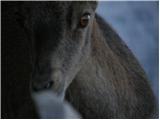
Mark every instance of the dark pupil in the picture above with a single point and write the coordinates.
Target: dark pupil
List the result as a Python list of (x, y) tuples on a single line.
[(84, 20)]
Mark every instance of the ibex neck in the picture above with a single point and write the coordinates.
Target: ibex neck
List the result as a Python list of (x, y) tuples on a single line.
[(113, 78)]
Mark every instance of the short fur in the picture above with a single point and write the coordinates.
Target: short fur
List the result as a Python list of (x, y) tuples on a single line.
[(91, 66)]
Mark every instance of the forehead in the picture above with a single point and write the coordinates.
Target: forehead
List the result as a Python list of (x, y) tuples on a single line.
[(52, 7), (49, 12), (44, 8), (38, 13)]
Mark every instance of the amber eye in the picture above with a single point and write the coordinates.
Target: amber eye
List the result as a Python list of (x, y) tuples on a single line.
[(84, 20)]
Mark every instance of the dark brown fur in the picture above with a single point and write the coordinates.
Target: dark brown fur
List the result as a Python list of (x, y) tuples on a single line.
[(103, 78)]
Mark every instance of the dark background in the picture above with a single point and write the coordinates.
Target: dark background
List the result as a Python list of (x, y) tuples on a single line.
[(16, 67)]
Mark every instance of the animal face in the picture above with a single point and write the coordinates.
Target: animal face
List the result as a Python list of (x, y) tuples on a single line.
[(60, 34)]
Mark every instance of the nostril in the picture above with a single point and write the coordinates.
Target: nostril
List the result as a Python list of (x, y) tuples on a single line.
[(42, 87), (48, 85)]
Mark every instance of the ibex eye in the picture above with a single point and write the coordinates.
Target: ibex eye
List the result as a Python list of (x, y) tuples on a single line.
[(84, 20)]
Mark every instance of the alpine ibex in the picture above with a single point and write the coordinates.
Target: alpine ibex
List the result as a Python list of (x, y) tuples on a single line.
[(76, 54)]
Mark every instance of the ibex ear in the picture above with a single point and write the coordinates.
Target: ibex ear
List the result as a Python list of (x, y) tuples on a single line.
[(93, 4)]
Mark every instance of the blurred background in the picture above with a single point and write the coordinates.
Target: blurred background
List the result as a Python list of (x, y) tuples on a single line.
[(137, 24)]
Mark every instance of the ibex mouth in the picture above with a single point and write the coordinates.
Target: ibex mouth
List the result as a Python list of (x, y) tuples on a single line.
[(54, 83), (59, 92)]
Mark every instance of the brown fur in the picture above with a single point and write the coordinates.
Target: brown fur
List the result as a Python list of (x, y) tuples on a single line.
[(111, 84), (93, 67)]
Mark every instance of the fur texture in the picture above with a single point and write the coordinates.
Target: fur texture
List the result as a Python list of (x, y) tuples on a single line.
[(91, 67)]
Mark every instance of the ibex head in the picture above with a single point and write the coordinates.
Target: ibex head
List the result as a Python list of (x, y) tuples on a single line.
[(60, 34)]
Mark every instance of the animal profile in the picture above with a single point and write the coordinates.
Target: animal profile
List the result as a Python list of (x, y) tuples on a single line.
[(78, 56)]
